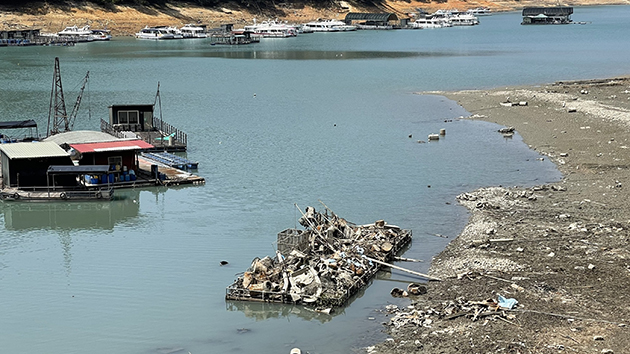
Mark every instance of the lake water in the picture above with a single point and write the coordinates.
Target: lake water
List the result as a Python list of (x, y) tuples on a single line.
[(281, 123)]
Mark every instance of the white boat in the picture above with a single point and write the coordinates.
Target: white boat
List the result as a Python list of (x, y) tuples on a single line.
[(342, 26), (329, 26), (457, 18), (177, 34), (303, 29), (83, 34), (101, 35), (193, 31), (431, 22), (154, 33), (271, 29), (480, 11), (464, 19)]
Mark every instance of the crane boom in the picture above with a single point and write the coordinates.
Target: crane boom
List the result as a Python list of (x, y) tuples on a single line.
[(75, 109)]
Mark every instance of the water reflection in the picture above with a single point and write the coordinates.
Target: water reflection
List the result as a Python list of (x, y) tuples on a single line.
[(304, 55), (261, 311), (72, 215), (265, 310)]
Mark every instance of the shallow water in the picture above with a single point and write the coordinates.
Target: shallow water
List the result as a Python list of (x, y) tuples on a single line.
[(283, 122)]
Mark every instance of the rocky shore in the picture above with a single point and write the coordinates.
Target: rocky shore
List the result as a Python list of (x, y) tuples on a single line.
[(560, 250)]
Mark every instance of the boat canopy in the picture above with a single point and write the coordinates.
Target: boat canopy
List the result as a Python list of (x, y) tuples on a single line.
[(381, 17), (16, 124), (77, 170)]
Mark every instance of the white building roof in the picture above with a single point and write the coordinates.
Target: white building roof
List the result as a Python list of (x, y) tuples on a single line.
[(81, 137), (32, 150)]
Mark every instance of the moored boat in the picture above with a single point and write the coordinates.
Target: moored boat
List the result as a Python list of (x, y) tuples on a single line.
[(464, 19), (101, 35), (177, 34), (329, 26), (154, 33), (271, 29), (431, 22), (83, 34), (480, 11), (193, 31)]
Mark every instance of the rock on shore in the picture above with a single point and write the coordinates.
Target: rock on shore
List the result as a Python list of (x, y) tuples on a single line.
[(560, 250)]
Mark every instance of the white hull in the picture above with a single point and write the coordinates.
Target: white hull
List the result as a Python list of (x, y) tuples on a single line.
[(154, 34), (329, 26), (271, 29), (428, 23), (192, 31)]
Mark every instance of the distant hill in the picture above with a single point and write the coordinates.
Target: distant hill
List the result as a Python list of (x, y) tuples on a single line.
[(125, 17)]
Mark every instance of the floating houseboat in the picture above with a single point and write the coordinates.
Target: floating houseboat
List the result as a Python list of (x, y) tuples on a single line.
[(328, 26), (29, 37), (154, 33), (480, 11), (193, 31), (83, 34), (82, 165), (547, 15), (377, 21), (43, 171)]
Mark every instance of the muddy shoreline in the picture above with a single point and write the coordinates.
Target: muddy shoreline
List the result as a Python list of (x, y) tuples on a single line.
[(560, 250)]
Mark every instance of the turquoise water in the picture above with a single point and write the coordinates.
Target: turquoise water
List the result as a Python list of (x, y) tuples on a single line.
[(283, 122)]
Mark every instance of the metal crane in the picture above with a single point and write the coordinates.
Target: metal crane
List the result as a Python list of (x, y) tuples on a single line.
[(75, 109), (57, 110)]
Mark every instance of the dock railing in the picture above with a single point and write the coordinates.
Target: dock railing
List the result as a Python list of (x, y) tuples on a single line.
[(109, 129), (168, 129)]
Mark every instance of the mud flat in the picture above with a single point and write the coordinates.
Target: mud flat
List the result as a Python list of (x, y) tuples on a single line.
[(560, 250)]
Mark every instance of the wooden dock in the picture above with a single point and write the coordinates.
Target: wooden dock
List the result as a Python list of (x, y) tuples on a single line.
[(167, 176), (172, 176)]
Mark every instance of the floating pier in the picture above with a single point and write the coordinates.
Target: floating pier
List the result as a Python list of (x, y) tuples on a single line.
[(171, 160), (160, 173), (322, 266)]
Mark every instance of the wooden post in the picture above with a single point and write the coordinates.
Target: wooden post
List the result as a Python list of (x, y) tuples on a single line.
[(401, 268)]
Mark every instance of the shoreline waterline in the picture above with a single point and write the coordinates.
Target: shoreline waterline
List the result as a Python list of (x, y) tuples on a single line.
[(493, 253)]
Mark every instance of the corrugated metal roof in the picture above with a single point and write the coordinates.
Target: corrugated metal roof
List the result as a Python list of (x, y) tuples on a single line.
[(548, 11), (32, 150), (383, 17), (81, 137), (120, 145)]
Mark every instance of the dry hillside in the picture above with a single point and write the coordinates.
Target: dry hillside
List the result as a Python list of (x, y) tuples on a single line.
[(125, 20)]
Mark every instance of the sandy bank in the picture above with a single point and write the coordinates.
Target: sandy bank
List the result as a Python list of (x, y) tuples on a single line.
[(560, 250)]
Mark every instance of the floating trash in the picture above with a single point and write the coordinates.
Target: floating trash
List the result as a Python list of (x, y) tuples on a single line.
[(321, 266)]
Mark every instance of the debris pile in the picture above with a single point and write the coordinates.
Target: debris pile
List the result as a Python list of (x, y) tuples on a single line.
[(321, 266), (449, 310)]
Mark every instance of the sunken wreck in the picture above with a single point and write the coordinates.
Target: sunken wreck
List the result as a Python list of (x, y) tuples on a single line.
[(321, 266)]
